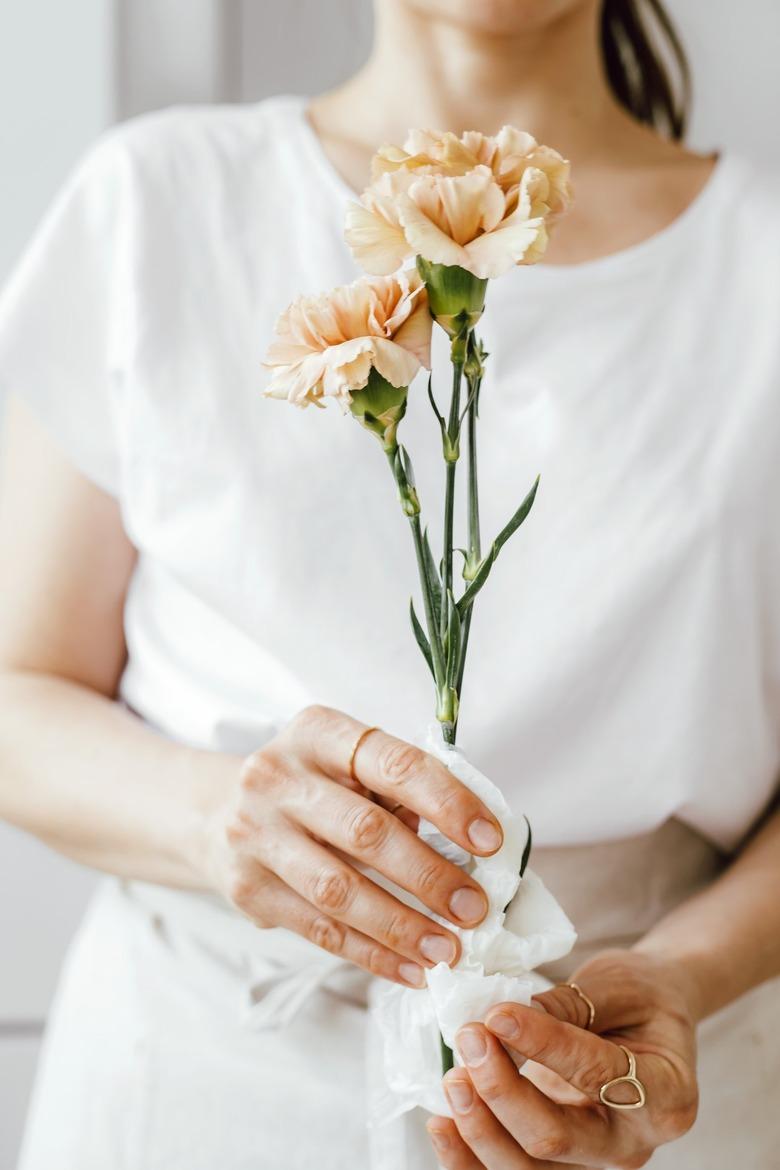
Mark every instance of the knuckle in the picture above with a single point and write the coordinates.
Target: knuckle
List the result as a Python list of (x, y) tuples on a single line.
[(569, 1008), (429, 880), (400, 763), (312, 718), (367, 828), (376, 960), (395, 931), (453, 801), (327, 934), (332, 890), (677, 1121), (238, 831), (550, 1147), (491, 1089), (251, 772), (595, 1075), (243, 889), (261, 771), (637, 1160)]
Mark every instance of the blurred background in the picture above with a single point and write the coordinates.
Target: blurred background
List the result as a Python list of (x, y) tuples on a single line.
[(67, 71)]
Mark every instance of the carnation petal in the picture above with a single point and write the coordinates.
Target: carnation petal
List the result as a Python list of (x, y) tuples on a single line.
[(299, 383), (378, 245), (396, 364), (428, 240), (347, 366), (469, 203), (415, 333), (496, 252)]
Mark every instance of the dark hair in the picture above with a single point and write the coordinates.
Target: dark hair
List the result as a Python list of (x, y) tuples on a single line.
[(646, 63)]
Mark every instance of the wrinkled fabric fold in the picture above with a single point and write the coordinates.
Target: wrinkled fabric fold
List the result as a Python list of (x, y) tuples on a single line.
[(524, 928)]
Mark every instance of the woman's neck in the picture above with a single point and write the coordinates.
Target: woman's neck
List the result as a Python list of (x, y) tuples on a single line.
[(431, 72)]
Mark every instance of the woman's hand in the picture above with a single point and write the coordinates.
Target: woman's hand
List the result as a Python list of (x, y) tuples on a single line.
[(550, 1113), (283, 847)]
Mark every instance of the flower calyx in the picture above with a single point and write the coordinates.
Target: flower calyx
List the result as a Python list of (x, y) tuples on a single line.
[(380, 407), (456, 299)]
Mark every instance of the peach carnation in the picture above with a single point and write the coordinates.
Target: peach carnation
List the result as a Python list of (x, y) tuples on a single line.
[(483, 204), (326, 346)]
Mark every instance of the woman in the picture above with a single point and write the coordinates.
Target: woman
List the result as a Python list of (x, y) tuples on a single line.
[(179, 552)]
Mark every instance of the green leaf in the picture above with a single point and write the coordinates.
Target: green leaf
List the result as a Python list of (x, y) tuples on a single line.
[(406, 463), (518, 517), (453, 639), (527, 850), (483, 572), (433, 578), (422, 641)]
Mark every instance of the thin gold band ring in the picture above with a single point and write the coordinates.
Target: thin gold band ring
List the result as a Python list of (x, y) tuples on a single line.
[(588, 1004), (365, 732)]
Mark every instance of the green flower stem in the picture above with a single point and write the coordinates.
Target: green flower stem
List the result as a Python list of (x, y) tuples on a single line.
[(417, 537), (474, 537), (453, 427)]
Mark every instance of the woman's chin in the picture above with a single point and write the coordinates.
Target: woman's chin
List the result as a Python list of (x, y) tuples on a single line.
[(497, 17)]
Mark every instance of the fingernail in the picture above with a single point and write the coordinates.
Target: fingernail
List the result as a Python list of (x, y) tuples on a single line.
[(460, 1094), (484, 835), (472, 1046), (441, 1142), (437, 948), (412, 974), (503, 1025), (468, 905)]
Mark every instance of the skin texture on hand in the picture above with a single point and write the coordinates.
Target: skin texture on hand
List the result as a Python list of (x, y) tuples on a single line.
[(548, 1113), (284, 845)]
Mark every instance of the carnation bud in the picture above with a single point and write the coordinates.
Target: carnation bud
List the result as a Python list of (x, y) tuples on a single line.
[(475, 358), (379, 407)]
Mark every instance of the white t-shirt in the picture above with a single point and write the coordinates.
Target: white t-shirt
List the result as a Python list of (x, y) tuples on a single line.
[(625, 654)]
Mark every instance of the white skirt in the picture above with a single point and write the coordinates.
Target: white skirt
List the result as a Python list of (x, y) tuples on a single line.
[(182, 1038)]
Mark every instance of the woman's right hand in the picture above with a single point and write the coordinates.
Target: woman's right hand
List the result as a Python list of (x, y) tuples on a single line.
[(284, 844)]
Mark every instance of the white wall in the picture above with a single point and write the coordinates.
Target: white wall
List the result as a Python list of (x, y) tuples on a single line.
[(66, 71), (56, 94)]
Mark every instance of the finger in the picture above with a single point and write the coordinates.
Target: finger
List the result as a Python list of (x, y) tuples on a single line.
[(399, 810), (337, 889), (578, 1135), (585, 1060), (256, 891), (361, 829), (393, 768), (451, 1151), (564, 1004), (482, 1131)]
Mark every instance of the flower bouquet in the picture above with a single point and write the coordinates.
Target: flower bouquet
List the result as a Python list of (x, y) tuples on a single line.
[(442, 216)]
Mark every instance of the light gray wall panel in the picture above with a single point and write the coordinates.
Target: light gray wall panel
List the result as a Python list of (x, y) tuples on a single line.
[(300, 46)]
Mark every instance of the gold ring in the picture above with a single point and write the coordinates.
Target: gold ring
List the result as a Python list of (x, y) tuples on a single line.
[(587, 1001), (629, 1079), (366, 731)]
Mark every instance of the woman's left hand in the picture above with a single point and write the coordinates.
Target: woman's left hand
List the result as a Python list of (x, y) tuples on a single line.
[(550, 1114)]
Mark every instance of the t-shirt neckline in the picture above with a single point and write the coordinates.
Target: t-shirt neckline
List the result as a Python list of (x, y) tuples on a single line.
[(652, 248)]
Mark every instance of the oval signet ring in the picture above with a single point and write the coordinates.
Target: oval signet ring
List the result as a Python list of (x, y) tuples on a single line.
[(631, 1079)]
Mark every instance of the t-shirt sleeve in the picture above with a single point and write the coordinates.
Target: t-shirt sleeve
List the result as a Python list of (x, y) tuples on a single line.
[(61, 320)]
